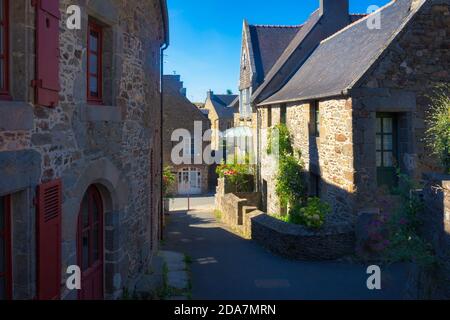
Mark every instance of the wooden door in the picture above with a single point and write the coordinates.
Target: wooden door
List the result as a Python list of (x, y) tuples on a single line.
[(90, 245)]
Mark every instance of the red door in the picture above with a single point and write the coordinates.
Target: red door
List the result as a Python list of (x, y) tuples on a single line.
[(90, 245)]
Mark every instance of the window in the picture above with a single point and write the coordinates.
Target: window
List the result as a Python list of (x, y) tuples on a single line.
[(94, 63), (283, 112), (386, 149), (269, 117), (5, 248), (315, 119), (4, 49)]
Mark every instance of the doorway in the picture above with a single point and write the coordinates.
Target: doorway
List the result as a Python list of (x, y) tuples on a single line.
[(189, 181), (90, 245), (386, 150)]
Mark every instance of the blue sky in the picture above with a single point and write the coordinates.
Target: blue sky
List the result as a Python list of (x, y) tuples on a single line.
[(205, 37)]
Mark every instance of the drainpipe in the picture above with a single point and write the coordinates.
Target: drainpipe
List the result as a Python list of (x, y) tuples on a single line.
[(161, 220)]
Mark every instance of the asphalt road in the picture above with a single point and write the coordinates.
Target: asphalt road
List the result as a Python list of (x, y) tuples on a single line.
[(227, 267)]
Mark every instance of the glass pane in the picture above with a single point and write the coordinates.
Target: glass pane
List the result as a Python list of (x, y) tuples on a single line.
[(85, 250), (388, 159), (2, 213), (378, 125), (85, 211), (388, 143), (379, 163), (95, 244), (93, 63), (93, 87), (387, 125), (2, 255), (93, 41), (378, 142), (2, 289)]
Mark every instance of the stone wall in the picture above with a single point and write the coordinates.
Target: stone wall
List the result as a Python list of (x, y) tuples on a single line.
[(115, 146), (329, 156), (235, 207), (298, 243), (401, 81), (436, 230)]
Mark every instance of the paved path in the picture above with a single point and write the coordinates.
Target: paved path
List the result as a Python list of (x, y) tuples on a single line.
[(227, 267)]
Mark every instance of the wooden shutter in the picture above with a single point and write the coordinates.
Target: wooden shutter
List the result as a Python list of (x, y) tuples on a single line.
[(47, 52), (49, 198)]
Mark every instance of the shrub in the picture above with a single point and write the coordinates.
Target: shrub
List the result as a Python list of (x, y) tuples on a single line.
[(169, 180), (405, 242), (312, 215), (438, 134)]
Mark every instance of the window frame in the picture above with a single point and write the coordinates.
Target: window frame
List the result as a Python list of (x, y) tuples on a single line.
[(4, 23), (269, 117), (94, 26), (5, 201), (315, 119), (283, 114)]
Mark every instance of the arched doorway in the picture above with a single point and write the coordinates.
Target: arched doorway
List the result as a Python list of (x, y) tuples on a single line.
[(90, 245)]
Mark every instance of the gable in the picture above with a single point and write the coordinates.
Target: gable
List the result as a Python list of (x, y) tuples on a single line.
[(355, 48)]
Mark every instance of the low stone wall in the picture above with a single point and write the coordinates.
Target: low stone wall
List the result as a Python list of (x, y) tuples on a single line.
[(435, 284), (297, 242)]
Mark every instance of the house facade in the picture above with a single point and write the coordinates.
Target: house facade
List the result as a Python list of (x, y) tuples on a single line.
[(221, 109), (356, 107), (192, 177), (80, 145)]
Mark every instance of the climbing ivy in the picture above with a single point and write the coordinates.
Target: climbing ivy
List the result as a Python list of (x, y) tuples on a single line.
[(290, 186)]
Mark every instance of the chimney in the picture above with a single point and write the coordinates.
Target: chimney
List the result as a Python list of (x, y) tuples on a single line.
[(337, 8), (210, 94)]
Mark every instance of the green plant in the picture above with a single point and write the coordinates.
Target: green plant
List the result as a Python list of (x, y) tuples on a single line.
[(438, 134), (169, 180), (405, 242), (290, 186), (237, 173), (312, 215), (280, 137)]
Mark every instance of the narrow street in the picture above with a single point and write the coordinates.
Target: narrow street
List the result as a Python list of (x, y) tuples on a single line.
[(225, 266)]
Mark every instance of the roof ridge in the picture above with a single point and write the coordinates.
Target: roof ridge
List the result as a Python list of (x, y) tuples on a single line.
[(276, 26)]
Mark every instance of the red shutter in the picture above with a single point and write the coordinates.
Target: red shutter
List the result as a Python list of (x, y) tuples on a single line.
[(47, 52), (48, 223)]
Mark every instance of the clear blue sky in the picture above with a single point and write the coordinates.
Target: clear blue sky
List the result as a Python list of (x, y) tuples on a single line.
[(205, 37)]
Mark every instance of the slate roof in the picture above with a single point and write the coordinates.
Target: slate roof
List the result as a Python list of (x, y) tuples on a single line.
[(268, 43), (342, 59), (296, 42), (221, 103)]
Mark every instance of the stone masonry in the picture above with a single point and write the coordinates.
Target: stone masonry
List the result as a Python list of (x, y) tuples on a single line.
[(115, 146)]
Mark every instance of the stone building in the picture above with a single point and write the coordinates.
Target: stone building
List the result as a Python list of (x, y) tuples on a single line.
[(80, 145), (221, 109), (356, 106), (269, 53), (180, 114)]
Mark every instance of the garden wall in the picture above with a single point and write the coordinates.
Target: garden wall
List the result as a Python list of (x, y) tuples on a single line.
[(435, 284), (298, 243), (235, 207)]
